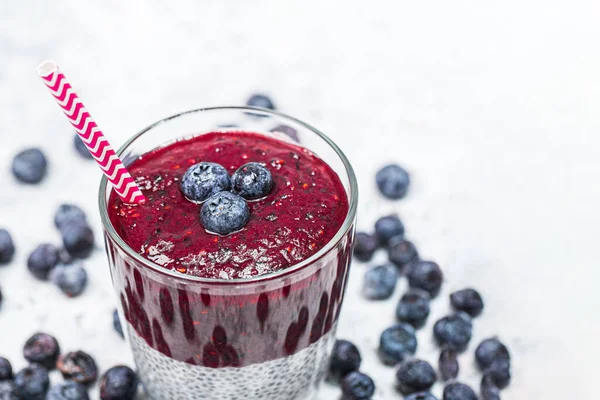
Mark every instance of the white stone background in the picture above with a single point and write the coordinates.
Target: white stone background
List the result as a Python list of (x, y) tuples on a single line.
[(491, 105)]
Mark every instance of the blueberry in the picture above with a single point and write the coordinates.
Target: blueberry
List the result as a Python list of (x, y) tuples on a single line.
[(5, 370), (42, 260), (344, 359), (78, 239), (81, 148), (467, 300), (458, 391), (425, 275), (364, 246), (401, 252), (203, 180), (357, 386), (413, 308), (380, 282), (397, 343), (224, 213), (421, 396), (78, 366), (32, 382), (287, 130), (499, 373), (1, 298), (490, 350), (488, 389), (251, 181), (29, 166), (8, 391), (68, 390), (448, 364), (68, 214), (415, 376), (117, 324), (454, 331), (118, 383), (392, 181), (260, 101), (387, 227), (70, 279), (42, 349), (7, 247)]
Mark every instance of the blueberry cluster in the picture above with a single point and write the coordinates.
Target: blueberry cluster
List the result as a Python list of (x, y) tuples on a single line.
[(398, 343), (78, 369), (224, 199)]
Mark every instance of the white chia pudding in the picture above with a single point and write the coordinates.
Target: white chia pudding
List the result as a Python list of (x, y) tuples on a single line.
[(294, 377)]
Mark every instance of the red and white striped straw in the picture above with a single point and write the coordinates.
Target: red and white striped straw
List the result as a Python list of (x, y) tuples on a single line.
[(90, 134)]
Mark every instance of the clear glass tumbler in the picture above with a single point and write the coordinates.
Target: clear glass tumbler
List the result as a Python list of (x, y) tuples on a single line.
[(268, 337)]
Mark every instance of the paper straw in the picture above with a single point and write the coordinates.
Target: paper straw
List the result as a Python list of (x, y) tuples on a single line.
[(90, 134)]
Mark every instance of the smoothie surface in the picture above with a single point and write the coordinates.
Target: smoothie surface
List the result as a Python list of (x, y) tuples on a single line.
[(301, 214)]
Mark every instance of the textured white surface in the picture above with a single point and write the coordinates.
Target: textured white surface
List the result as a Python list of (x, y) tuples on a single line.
[(492, 106)]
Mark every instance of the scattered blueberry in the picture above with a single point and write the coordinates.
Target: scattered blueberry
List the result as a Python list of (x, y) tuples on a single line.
[(78, 239), (454, 331), (364, 246), (490, 350), (68, 390), (287, 130), (29, 166), (402, 252), (458, 391), (415, 376), (68, 214), (42, 260), (42, 349), (413, 308), (224, 213), (392, 181), (7, 247), (499, 373), (80, 147), (448, 364), (8, 391), (467, 300), (421, 396), (261, 101), (488, 389), (117, 324), (78, 366), (397, 343), (32, 382), (118, 383), (71, 279), (344, 359), (252, 181), (5, 370), (1, 298), (425, 275), (380, 282), (357, 386), (203, 180), (387, 227)]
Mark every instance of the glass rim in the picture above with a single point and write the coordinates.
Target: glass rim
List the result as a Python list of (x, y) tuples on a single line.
[(340, 234)]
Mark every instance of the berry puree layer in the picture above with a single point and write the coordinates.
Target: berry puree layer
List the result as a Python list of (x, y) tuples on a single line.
[(304, 209), (222, 208)]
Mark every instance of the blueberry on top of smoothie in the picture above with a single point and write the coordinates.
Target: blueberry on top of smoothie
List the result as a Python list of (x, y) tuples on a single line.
[(29, 166), (224, 213), (204, 179), (252, 181)]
